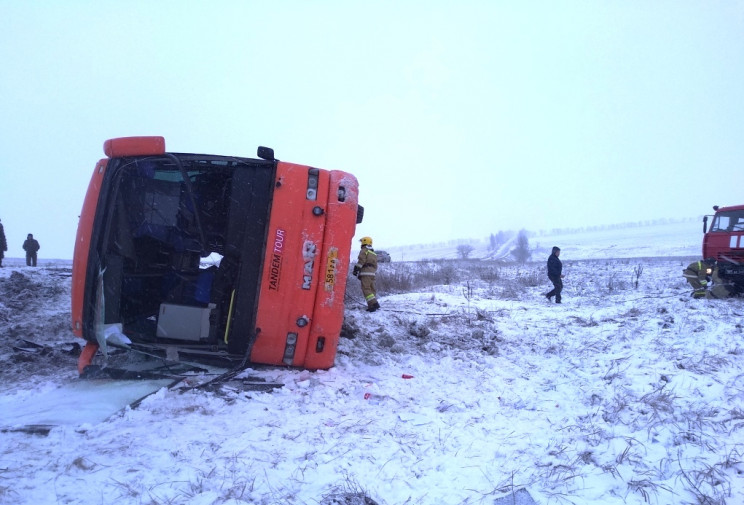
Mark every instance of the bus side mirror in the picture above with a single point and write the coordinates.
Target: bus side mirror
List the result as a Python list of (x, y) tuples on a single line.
[(265, 153), (705, 224)]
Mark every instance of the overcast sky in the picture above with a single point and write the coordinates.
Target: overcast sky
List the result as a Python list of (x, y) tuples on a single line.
[(459, 119)]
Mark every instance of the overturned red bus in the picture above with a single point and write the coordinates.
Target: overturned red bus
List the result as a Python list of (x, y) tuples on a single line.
[(277, 237)]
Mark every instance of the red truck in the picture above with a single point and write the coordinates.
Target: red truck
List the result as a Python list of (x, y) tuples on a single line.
[(200, 256), (724, 241)]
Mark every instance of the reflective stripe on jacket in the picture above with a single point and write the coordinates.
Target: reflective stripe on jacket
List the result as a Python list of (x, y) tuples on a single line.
[(697, 270), (367, 261)]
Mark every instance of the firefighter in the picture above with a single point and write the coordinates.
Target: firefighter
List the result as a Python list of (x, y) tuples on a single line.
[(365, 270), (697, 274), (31, 246)]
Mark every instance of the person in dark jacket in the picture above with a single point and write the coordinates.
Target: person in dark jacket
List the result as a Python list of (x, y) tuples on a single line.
[(3, 244), (555, 274), (31, 246)]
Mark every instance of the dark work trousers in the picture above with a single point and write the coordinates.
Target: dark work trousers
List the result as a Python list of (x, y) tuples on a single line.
[(557, 288), (31, 259)]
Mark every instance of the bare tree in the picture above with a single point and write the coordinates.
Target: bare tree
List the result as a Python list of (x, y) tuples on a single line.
[(464, 250), (521, 252)]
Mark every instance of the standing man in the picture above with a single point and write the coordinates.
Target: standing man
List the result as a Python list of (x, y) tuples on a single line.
[(3, 244), (365, 270), (555, 274), (31, 246)]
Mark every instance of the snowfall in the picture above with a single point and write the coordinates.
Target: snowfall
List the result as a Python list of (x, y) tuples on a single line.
[(470, 389)]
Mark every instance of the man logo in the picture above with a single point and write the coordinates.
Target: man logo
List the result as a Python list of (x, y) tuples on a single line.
[(308, 255)]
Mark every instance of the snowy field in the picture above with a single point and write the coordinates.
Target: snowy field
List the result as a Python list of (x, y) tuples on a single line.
[(463, 390), (679, 238)]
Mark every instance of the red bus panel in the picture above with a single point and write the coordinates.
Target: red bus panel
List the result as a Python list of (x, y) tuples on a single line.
[(134, 146), (291, 268), (334, 265), (82, 246)]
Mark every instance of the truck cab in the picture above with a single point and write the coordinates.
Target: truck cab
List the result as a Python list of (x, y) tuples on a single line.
[(217, 257), (724, 241)]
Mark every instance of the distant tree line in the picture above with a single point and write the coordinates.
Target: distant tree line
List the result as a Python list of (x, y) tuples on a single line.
[(521, 251), (617, 226)]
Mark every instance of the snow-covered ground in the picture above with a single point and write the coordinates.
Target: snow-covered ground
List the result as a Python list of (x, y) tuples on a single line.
[(459, 392)]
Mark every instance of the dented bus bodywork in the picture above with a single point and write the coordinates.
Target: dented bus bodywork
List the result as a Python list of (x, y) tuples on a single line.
[(213, 257)]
